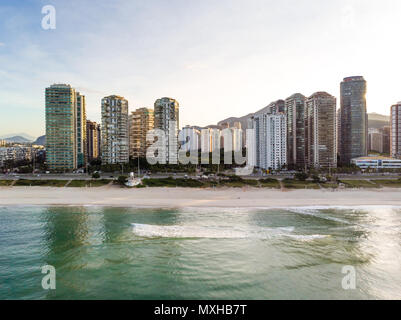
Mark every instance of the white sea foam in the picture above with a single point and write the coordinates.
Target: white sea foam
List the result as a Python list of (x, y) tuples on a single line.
[(156, 231)]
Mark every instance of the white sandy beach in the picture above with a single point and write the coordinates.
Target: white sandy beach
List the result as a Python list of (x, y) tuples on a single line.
[(185, 197)]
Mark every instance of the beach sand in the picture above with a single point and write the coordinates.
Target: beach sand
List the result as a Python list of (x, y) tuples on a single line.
[(186, 197)]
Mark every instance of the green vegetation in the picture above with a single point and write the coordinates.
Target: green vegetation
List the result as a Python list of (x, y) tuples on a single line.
[(296, 184), (329, 185), (355, 184), (40, 183), (5, 183), (96, 175), (301, 176), (172, 183), (229, 181), (88, 183), (389, 183), (269, 183), (122, 180)]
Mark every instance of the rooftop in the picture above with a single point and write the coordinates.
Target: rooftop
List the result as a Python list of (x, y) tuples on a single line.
[(374, 158)]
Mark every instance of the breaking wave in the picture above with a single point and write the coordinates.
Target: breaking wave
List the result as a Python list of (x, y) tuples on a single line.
[(317, 214), (199, 232)]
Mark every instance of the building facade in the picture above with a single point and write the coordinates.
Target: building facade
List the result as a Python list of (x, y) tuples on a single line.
[(141, 121), (167, 119), (61, 122), (295, 107), (15, 154), (115, 137), (189, 139), (354, 120), (320, 128), (377, 163), (270, 141), (276, 107), (385, 131), (93, 140), (375, 140), (395, 131), (82, 157)]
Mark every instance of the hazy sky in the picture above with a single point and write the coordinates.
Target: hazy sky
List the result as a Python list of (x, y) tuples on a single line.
[(218, 58)]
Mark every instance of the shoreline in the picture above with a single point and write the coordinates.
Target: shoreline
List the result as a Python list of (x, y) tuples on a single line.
[(197, 198)]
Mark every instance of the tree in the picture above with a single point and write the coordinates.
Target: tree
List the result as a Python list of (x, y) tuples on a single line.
[(96, 175), (316, 178), (301, 176), (122, 180)]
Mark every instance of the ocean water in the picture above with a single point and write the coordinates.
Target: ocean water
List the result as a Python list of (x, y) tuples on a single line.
[(194, 253)]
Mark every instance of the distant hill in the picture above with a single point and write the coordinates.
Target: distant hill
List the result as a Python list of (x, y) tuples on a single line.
[(41, 141), (377, 121), (17, 139), (243, 120), (14, 135)]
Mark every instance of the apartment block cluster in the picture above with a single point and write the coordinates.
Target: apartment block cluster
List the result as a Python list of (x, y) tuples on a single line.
[(72, 141), (296, 133), (15, 153)]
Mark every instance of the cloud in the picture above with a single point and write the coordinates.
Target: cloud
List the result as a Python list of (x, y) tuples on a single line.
[(2, 44)]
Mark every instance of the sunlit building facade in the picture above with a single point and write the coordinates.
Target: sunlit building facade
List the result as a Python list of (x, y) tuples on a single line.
[(93, 140), (270, 141), (320, 128), (167, 119), (61, 122), (141, 121), (115, 138), (295, 107)]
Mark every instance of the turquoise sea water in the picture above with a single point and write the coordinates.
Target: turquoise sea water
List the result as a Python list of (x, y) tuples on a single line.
[(213, 253)]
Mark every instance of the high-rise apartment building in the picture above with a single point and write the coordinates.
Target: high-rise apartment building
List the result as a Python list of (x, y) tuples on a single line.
[(167, 119), (386, 139), (354, 120), (61, 122), (115, 137), (82, 157), (295, 107), (277, 107), (140, 122), (375, 141), (93, 140), (338, 132), (270, 141), (320, 128), (395, 131)]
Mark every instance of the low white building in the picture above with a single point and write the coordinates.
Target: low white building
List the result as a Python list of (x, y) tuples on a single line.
[(377, 163), (189, 139)]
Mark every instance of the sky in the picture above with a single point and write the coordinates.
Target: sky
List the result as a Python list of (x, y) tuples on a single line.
[(216, 58)]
